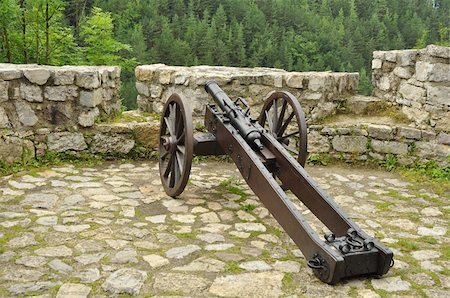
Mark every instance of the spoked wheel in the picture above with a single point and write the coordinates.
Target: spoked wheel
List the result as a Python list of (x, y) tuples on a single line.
[(176, 145), (283, 117)]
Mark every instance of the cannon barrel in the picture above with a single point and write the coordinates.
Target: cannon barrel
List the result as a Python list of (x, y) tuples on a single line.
[(238, 119)]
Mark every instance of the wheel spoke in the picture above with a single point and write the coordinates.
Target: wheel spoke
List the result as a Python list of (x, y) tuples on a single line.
[(169, 127), (181, 138), (180, 124), (269, 122), (285, 125), (169, 166), (181, 149), (172, 117), (164, 155), (172, 172), (283, 111), (290, 135), (180, 161), (275, 114)]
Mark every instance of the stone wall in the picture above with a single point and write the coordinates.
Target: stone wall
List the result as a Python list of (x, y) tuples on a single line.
[(318, 92), (364, 142), (418, 81), (45, 108)]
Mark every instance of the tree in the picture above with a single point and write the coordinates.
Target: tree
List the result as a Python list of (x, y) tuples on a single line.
[(9, 13), (100, 46)]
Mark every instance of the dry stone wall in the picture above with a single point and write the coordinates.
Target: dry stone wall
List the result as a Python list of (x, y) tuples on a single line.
[(318, 92), (45, 108), (418, 81), (368, 141)]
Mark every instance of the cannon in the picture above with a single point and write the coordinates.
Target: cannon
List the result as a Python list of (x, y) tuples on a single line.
[(270, 153)]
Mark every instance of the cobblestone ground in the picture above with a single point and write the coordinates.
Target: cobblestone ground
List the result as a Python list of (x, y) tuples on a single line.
[(110, 230)]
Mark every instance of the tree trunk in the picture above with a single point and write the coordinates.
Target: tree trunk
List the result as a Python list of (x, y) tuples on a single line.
[(24, 32), (47, 29), (8, 46)]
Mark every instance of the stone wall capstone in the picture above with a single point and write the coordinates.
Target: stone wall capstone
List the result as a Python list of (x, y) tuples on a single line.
[(36, 96), (318, 92), (46, 108), (418, 81)]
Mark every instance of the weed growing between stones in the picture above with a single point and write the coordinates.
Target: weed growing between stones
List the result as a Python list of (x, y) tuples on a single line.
[(232, 186), (319, 159), (50, 159)]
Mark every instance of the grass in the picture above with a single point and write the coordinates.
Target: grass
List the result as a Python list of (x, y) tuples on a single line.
[(232, 186), (248, 207)]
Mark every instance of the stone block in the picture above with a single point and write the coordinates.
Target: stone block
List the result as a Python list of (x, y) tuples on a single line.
[(384, 83), (407, 57), (433, 72), (415, 114), (88, 79), (438, 51), (113, 144), (352, 144), (378, 55), (179, 79), (318, 143), (31, 93), (391, 56), (13, 149), (428, 135), (4, 87), (323, 110), (87, 119), (60, 93), (312, 95), (318, 82), (64, 77), (147, 134), (377, 63), (294, 80), (10, 74), (278, 81), (38, 76), (91, 98), (437, 94), (389, 147), (403, 72), (409, 133), (443, 138), (432, 150), (164, 77), (25, 113), (381, 132), (65, 141), (412, 92), (4, 121), (142, 88)]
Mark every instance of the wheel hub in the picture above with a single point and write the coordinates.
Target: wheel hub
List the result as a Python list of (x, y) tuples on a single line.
[(169, 144)]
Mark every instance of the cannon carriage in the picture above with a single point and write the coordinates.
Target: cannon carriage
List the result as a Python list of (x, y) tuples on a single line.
[(270, 153)]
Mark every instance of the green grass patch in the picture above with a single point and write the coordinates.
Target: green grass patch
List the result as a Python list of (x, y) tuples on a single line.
[(232, 186), (321, 159), (248, 207), (406, 245), (383, 206), (233, 267)]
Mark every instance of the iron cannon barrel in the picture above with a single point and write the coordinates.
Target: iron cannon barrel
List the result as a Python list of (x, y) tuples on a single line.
[(237, 117)]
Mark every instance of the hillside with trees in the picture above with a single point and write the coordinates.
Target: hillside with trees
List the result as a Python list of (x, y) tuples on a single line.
[(296, 35)]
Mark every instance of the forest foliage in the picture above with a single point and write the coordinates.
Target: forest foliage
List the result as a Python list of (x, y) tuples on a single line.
[(296, 35)]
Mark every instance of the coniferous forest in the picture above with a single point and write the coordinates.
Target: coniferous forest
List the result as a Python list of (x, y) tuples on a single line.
[(296, 35)]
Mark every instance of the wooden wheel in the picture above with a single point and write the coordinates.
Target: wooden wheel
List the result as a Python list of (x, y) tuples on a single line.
[(283, 117), (176, 145)]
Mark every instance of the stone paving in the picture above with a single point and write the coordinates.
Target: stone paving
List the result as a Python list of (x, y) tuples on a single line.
[(110, 230)]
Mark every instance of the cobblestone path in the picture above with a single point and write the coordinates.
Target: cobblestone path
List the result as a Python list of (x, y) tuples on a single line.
[(110, 230)]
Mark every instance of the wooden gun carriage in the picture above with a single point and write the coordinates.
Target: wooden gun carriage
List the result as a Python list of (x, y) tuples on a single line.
[(270, 153)]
